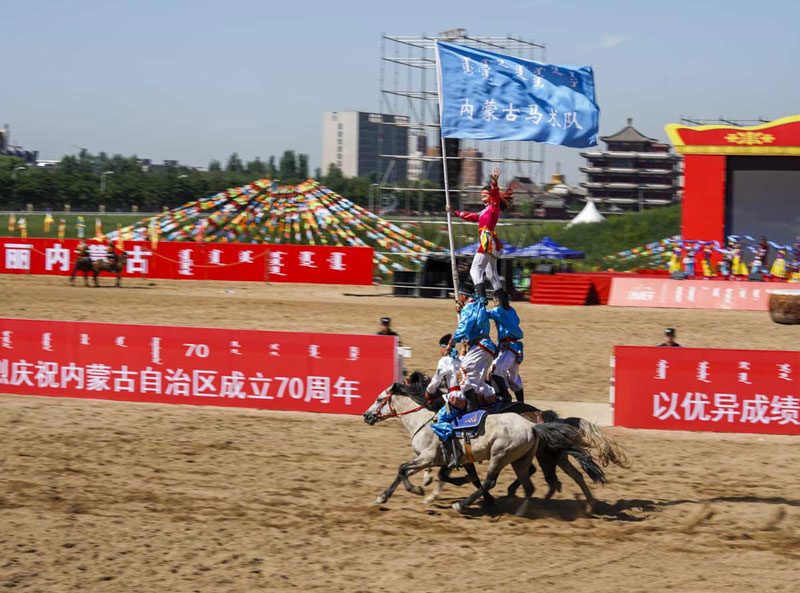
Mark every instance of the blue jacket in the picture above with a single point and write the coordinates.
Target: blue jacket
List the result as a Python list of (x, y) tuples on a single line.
[(473, 326), (507, 322)]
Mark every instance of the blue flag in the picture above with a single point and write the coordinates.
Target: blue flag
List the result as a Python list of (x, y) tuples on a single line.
[(489, 96)]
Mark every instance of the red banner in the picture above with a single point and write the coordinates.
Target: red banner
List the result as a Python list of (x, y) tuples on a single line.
[(334, 373), (689, 294), (321, 264), (199, 261), (707, 389)]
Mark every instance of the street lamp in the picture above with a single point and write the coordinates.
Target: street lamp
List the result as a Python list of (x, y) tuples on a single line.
[(14, 172), (103, 181)]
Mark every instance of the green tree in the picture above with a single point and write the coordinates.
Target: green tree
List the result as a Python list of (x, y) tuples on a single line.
[(214, 165), (288, 168), (272, 170), (333, 177), (302, 166), (256, 167), (234, 164), (318, 174)]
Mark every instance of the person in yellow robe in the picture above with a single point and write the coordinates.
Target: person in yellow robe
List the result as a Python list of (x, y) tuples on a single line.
[(778, 269), (708, 270), (738, 267), (676, 259)]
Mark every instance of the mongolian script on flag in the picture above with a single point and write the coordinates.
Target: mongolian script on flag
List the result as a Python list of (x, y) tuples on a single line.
[(489, 96)]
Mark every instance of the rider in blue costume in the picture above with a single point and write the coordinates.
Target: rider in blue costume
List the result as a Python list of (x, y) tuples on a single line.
[(473, 328), (505, 370)]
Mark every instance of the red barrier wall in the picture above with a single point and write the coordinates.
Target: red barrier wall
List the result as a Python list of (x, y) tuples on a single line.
[(689, 294), (703, 205), (200, 261), (332, 373), (707, 389)]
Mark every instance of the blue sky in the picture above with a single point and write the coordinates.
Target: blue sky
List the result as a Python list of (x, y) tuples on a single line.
[(194, 80)]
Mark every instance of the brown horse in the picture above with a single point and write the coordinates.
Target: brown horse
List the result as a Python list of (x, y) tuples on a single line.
[(114, 267), (82, 264)]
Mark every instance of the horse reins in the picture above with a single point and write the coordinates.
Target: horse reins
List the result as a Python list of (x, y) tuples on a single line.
[(394, 413)]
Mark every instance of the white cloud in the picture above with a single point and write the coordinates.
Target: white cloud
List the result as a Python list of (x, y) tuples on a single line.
[(609, 40)]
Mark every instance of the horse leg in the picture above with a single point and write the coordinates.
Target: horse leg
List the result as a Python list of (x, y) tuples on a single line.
[(476, 481), (512, 489), (572, 472), (427, 477), (521, 468), (491, 479), (405, 470), (547, 461), (442, 477)]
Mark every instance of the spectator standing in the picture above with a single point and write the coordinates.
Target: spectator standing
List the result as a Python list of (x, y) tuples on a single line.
[(669, 338)]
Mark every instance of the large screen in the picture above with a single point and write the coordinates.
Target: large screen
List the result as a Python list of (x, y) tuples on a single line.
[(763, 197)]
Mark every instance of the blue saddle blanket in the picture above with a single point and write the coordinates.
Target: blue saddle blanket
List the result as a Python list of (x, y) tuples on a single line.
[(472, 420)]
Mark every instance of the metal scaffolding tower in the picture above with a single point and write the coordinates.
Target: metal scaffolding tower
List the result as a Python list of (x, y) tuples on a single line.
[(408, 89)]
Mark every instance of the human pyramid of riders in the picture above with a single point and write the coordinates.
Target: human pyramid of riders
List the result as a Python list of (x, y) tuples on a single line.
[(475, 371)]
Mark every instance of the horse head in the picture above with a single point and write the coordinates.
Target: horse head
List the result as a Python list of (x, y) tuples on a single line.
[(373, 413)]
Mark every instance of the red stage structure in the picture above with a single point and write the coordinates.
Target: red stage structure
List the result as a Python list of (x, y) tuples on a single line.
[(740, 180)]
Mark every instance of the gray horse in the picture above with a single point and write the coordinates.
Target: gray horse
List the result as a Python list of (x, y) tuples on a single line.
[(505, 439), (548, 458)]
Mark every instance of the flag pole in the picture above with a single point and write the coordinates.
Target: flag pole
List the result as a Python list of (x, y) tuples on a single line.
[(446, 178)]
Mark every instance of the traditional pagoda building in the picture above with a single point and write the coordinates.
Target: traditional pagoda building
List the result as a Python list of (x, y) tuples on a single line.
[(633, 173)]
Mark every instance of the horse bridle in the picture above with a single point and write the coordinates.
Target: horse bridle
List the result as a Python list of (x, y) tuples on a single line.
[(393, 413)]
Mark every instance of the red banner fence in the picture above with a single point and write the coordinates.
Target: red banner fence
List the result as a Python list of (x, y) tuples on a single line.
[(709, 389), (334, 373), (320, 264), (643, 291)]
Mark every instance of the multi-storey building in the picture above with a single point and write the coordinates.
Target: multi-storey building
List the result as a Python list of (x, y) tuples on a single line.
[(633, 173), (353, 141), (417, 145), (471, 171)]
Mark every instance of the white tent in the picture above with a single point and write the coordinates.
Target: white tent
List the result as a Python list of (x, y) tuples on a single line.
[(588, 214)]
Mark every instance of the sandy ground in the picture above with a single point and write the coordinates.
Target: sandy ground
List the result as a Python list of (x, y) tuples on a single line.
[(104, 496)]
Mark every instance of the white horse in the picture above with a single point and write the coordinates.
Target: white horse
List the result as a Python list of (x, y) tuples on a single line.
[(504, 439)]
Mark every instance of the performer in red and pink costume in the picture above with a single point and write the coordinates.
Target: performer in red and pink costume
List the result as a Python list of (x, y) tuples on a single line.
[(490, 248)]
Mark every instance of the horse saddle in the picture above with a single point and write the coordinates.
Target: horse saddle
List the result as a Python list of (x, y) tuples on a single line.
[(473, 421)]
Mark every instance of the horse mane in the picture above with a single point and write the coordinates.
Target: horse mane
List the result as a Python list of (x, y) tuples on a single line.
[(550, 416), (414, 387)]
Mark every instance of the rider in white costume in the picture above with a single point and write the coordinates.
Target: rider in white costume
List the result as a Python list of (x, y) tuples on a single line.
[(447, 374)]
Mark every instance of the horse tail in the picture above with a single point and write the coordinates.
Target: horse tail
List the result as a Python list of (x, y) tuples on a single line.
[(608, 450), (588, 465), (558, 438)]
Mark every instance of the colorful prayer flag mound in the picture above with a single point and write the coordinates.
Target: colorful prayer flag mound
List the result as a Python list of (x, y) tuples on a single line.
[(304, 214)]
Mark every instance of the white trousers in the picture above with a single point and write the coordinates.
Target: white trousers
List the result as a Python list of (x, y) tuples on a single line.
[(484, 262), (506, 366), (474, 366)]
